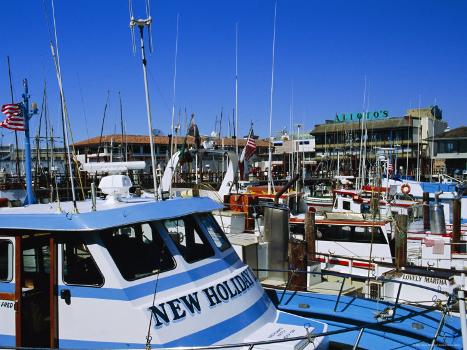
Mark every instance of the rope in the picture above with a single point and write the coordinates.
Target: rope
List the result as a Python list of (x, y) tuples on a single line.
[(148, 336)]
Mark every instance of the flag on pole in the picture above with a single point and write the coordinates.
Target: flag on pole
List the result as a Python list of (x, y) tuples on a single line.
[(248, 152), (14, 117), (390, 168), (249, 149)]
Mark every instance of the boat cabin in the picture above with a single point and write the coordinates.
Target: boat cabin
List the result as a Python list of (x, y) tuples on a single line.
[(132, 272)]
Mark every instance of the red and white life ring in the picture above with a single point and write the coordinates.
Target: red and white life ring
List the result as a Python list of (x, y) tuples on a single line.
[(405, 188)]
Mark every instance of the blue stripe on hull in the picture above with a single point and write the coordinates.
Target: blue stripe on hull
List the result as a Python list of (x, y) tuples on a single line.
[(7, 340), (147, 288), (7, 287), (204, 337)]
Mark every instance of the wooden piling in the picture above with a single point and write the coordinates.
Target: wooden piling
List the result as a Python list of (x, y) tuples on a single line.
[(310, 237), (297, 261), (401, 241), (426, 210)]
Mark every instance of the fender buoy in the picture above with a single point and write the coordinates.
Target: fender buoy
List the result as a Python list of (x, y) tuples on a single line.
[(405, 188)]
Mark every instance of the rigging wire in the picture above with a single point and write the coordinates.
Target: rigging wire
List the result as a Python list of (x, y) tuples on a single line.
[(56, 58)]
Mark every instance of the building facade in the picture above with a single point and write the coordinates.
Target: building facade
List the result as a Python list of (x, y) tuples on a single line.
[(450, 149), (404, 139)]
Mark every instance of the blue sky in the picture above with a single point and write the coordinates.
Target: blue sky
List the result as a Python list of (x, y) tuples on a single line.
[(407, 50)]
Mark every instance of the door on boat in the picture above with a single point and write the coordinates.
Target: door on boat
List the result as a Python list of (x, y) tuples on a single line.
[(36, 274)]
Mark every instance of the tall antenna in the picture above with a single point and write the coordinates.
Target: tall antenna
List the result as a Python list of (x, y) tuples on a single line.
[(270, 101), (142, 24)]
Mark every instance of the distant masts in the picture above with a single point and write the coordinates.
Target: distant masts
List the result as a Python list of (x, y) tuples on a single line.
[(142, 24)]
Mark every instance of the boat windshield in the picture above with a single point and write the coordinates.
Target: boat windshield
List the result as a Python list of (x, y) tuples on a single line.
[(138, 250), (215, 231), (188, 238)]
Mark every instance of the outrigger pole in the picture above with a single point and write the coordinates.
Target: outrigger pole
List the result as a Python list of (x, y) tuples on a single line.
[(30, 198)]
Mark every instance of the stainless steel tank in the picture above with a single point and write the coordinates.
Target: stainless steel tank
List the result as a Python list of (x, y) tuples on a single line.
[(276, 234), (437, 222)]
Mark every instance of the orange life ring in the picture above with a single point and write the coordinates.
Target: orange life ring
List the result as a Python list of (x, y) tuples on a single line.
[(405, 188)]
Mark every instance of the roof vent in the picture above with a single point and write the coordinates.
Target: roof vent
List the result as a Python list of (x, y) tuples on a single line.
[(116, 185)]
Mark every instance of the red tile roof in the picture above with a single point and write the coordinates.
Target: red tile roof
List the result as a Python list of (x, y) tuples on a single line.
[(162, 140)]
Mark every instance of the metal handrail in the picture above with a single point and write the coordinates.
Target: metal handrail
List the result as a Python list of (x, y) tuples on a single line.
[(348, 275)]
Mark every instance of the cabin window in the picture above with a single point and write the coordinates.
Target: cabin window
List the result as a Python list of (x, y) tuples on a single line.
[(37, 259), (354, 234), (138, 251), (215, 232), (6, 261), (363, 234), (346, 205), (79, 267), (190, 242)]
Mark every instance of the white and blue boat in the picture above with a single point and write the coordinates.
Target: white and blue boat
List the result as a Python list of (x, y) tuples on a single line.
[(131, 272)]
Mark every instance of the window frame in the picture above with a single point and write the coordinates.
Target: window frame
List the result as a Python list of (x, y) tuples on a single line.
[(205, 230), (10, 267), (155, 225), (205, 237), (64, 241)]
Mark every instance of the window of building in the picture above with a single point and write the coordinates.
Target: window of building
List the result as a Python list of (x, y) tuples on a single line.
[(215, 231), (6, 261), (450, 147), (138, 250), (190, 242), (79, 267)]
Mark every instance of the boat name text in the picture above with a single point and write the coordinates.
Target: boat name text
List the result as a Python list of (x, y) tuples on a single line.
[(178, 308), (426, 279)]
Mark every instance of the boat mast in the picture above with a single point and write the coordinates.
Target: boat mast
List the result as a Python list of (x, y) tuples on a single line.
[(172, 128), (141, 24), (270, 103), (30, 198), (418, 138), (56, 59), (236, 88), (16, 133)]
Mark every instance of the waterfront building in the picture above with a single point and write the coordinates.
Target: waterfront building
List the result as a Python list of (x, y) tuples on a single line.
[(404, 139), (450, 152), (137, 147)]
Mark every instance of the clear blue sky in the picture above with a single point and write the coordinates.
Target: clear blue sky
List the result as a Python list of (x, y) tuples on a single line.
[(324, 49)]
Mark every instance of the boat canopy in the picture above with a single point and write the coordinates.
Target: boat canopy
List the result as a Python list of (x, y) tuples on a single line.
[(46, 217)]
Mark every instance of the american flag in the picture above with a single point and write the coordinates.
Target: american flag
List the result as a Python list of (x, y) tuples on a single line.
[(249, 150), (14, 117), (390, 168)]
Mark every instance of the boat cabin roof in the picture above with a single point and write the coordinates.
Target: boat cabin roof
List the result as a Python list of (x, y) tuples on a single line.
[(108, 213)]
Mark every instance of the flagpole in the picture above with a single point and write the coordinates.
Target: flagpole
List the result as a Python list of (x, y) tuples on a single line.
[(16, 133), (30, 198)]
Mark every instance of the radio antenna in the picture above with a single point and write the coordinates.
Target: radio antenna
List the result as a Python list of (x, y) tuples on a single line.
[(142, 24)]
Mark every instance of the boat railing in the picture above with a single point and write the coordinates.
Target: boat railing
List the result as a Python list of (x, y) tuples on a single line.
[(444, 307), (382, 279)]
